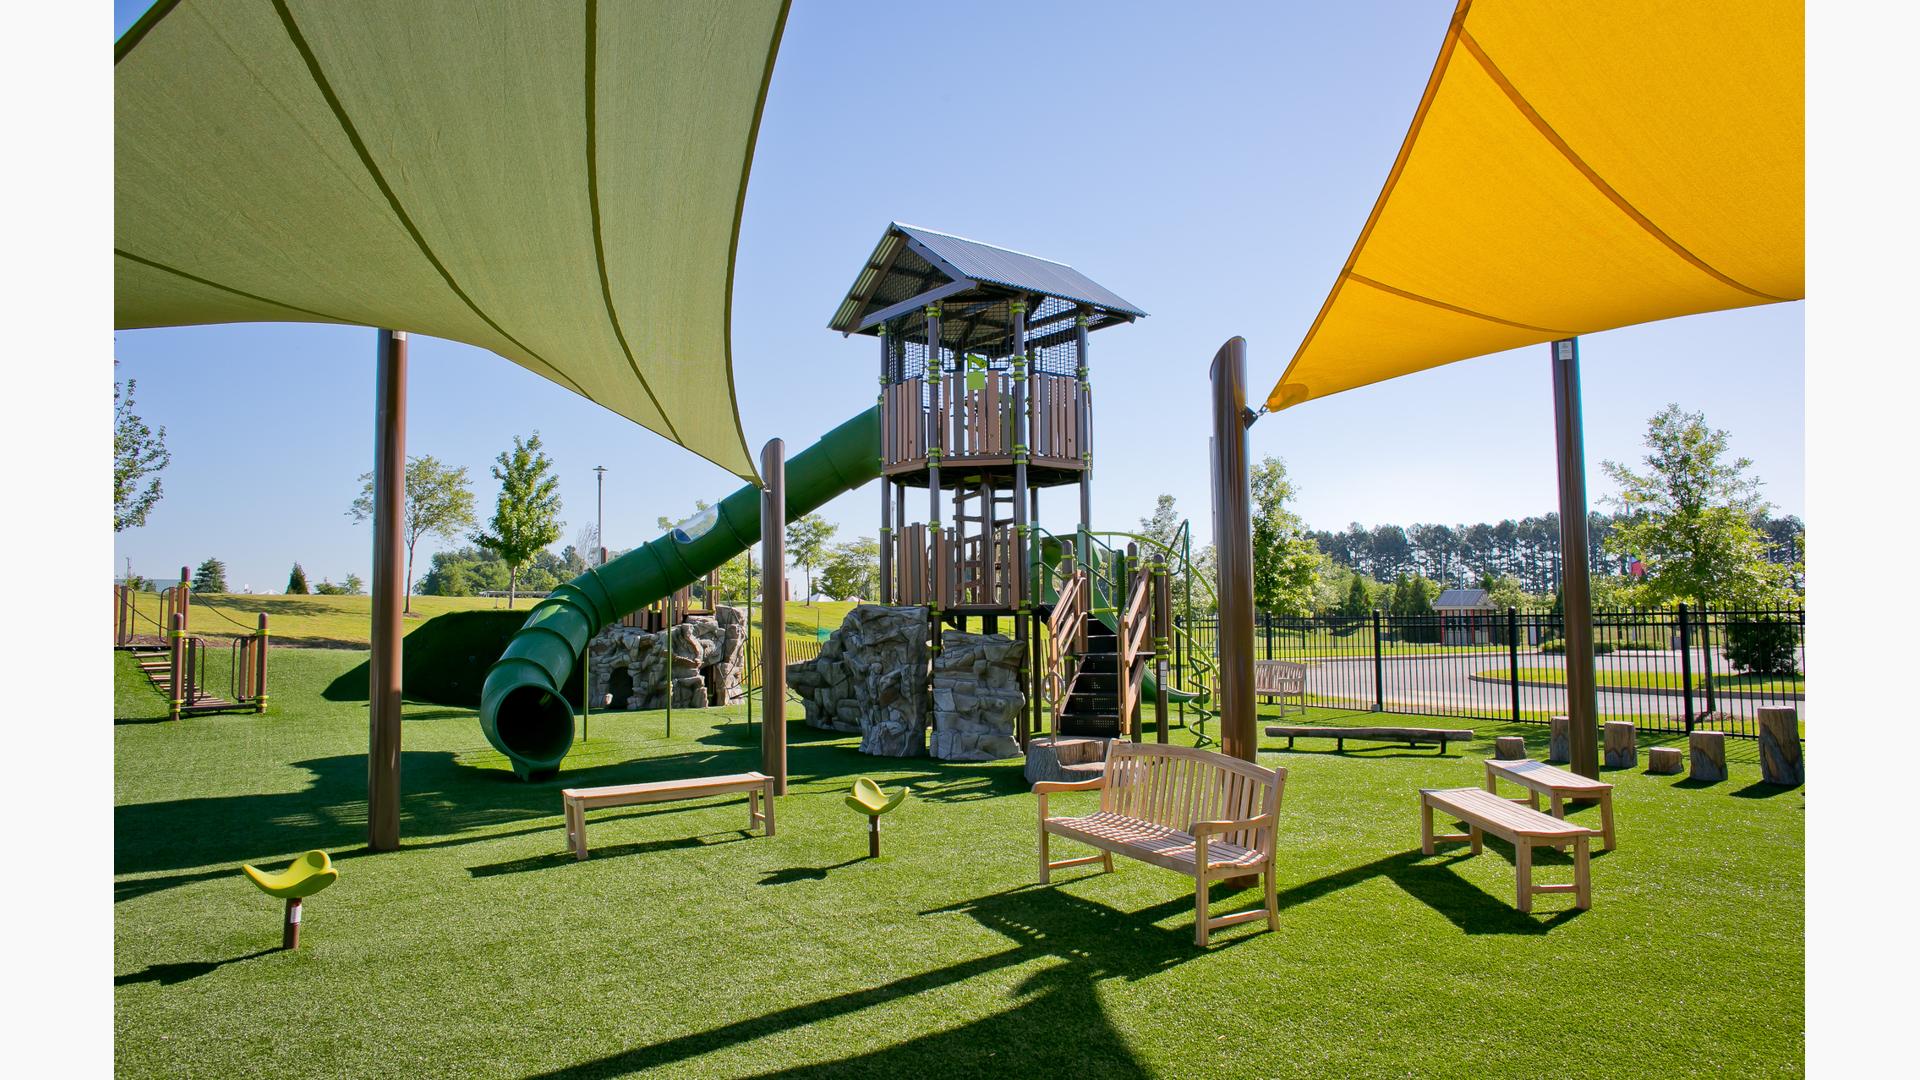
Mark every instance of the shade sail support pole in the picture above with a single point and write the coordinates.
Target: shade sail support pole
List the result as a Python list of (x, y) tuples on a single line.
[(1233, 545), (388, 586), (1576, 597), (773, 613)]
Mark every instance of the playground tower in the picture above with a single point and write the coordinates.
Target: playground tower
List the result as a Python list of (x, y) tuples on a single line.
[(985, 400)]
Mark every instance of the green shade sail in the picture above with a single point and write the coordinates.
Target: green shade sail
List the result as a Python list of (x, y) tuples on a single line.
[(560, 183)]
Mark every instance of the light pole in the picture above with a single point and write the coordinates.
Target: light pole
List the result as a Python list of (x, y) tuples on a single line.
[(600, 515)]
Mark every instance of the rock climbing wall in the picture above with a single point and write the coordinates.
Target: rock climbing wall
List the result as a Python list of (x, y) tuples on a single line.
[(630, 665), (871, 678)]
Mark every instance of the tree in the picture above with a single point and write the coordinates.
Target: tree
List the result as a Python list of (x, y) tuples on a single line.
[(439, 502), (1163, 526), (526, 516), (1357, 602), (297, 582), (852, 570), (807, 544), (353, 585), (1413, 598), (211, 577), (1690, 518), (139, 453), (1284, 560)]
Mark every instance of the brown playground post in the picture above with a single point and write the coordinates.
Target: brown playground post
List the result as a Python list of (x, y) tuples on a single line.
[(260, 666), (290, 933), (176, 664), (773, 613), (1162, 634), (1233, 544)]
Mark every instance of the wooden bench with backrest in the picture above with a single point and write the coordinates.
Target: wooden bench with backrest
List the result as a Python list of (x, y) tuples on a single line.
[(1412, 736), (1521, 826), (1197, 813), (1281, 679), (575, 802)]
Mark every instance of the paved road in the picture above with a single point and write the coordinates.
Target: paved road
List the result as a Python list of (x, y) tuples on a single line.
[(1445, 683)]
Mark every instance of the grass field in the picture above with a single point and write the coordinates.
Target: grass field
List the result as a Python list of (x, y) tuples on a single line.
[(686, 947), (343, 621)]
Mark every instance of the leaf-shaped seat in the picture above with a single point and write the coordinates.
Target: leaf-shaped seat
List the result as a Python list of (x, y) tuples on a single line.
[(305, 876), (867, 798)]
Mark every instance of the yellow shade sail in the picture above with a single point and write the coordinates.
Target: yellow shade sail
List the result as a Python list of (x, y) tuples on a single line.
[(560, 183), (1574, 167)]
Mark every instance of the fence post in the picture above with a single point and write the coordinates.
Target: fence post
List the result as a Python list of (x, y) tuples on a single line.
[(1706, 653), (1686, 667), (1266, 624), (1379, 668), (1513, 657)]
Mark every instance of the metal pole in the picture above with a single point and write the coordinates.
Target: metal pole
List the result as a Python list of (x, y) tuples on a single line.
[(260, 667), (1379, 668), (1576, 599), (1513, 657), (1233, 544), (887, 418), (600, 515), (1686, 667), (383, 666), (773, 613)]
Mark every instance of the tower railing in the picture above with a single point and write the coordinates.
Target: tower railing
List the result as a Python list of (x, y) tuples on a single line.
[(975, 420)]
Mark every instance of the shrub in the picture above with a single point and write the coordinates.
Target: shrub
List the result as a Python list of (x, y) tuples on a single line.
[(1764, 646), (1557, 646)]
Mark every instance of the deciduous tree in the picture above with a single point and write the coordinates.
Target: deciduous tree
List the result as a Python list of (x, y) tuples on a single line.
[(807, 543), (139, 453), (526, 517), (439, 503), (1284, 560)]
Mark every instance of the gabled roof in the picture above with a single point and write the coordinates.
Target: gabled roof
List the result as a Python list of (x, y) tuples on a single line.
[(1463, 600), (912, 266)]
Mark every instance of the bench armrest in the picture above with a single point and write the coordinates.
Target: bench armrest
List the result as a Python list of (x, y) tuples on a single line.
[(1045, 786), (1207, 828)]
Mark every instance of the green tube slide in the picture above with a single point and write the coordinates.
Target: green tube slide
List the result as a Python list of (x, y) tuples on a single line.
[(522, 710), (1051, 553)]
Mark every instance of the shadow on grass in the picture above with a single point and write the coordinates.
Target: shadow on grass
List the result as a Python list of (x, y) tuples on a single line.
[(1760, 789), (1430, 879), (808, 873), (446, 801), (168, 974), (558, 859), (1085, 941)]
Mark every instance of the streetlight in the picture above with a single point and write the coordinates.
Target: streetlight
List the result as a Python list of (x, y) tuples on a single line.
[(600, 515)]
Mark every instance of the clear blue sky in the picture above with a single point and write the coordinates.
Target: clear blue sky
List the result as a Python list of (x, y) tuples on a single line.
[(1213, 168)]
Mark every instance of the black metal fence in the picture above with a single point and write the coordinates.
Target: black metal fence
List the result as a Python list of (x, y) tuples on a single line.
[(1668, 670)]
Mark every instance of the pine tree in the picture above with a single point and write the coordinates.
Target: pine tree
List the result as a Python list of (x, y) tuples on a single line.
[(211, 577), (297, 582)]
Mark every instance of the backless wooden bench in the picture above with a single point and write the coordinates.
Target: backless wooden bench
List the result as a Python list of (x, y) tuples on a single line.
[(1412, 736), (1521, 826), (1558, 785), (575, 802)]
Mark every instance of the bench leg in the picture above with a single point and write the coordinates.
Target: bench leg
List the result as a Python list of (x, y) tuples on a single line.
[(1559, 807), (1426, 826), (1523, 872), (766, 805), (1493, 784), (579, 831), (1046, 862), (1273, 899), (1200, 911), (1582, 882), (753, 808), (1533, 798), (1106, 860), (1606, 819), (1475, 838)]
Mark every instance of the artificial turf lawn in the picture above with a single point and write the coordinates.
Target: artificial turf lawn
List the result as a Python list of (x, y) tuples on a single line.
[(686, 947)]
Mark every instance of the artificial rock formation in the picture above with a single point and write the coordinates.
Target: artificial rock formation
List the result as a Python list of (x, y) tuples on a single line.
[(872, 675), (628, 666)]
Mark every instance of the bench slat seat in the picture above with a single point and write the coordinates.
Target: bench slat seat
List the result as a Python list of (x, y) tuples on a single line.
[(575, 802), (1156, 844), (1204, 815), (1521, 826)]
